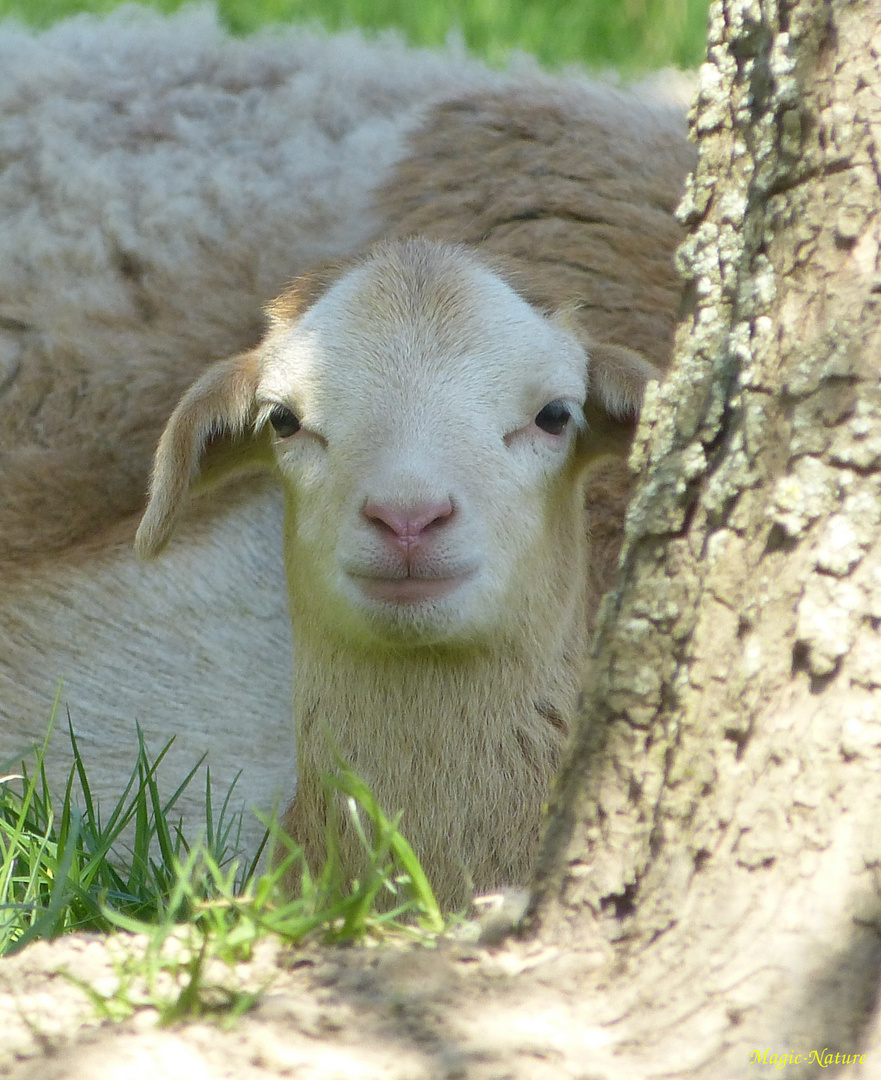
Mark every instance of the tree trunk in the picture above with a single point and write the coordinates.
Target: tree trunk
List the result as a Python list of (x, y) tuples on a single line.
[(716, 832)]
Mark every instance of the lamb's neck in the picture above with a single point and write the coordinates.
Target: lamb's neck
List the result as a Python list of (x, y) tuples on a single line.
[(438, 740), (463, 742), (411, 688)]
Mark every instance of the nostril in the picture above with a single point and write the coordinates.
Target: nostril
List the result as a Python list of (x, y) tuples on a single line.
[(433, 514), (408, 522)]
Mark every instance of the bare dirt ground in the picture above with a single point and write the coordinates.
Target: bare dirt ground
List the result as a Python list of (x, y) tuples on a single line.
[(458, 1012)]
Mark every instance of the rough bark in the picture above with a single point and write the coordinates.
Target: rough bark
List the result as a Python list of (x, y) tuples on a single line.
[(717, 829)]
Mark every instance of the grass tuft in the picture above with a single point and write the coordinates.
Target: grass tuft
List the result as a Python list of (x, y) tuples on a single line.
[(193, 903), (70, 868)]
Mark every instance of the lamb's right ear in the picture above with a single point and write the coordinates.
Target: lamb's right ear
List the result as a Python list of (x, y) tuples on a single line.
[(210, 434)]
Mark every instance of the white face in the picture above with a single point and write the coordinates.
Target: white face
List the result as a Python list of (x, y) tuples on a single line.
[(424, 419)]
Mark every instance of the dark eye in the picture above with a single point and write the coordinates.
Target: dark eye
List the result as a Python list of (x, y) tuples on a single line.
[(284, 422), (554, 417)]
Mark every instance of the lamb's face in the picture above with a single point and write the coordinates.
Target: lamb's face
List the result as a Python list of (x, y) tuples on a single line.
[(424, 420)]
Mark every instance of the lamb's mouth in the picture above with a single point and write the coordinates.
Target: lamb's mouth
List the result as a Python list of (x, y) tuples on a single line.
[(409, 590)]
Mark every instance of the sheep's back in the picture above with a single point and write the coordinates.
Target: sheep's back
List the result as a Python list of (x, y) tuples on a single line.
[(574, 188)]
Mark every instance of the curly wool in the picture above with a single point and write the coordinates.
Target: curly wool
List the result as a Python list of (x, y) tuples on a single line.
[(160, 181)]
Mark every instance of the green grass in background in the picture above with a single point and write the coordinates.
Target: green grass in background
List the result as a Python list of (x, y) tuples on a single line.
[(631, 35)]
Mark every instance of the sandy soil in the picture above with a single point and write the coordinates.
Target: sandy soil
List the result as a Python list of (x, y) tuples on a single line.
[(459, 1012)]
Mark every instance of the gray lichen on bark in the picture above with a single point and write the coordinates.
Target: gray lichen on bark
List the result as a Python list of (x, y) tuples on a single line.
[(731, 734)]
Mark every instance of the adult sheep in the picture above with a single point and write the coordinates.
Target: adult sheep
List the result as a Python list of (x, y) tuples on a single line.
[(160, 180), (438, 414)]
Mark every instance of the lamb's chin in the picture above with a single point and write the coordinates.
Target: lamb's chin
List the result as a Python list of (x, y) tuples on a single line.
[(420, 611), (410, 590)]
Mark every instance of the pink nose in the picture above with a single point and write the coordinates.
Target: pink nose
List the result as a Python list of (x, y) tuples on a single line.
[(407, 525)]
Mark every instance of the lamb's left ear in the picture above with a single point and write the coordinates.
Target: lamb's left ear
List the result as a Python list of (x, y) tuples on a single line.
[(210, 434), (617, 378)]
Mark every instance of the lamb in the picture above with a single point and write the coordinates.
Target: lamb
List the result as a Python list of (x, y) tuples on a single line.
[(439, 415)]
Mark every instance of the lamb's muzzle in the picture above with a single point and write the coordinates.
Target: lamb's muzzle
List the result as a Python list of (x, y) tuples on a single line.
[(409, 532)]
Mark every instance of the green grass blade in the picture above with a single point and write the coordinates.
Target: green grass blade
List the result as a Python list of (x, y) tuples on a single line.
[(47, 925)]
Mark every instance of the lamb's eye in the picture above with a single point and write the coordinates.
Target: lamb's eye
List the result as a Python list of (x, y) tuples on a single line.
[(554, 417), (284, 422)]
